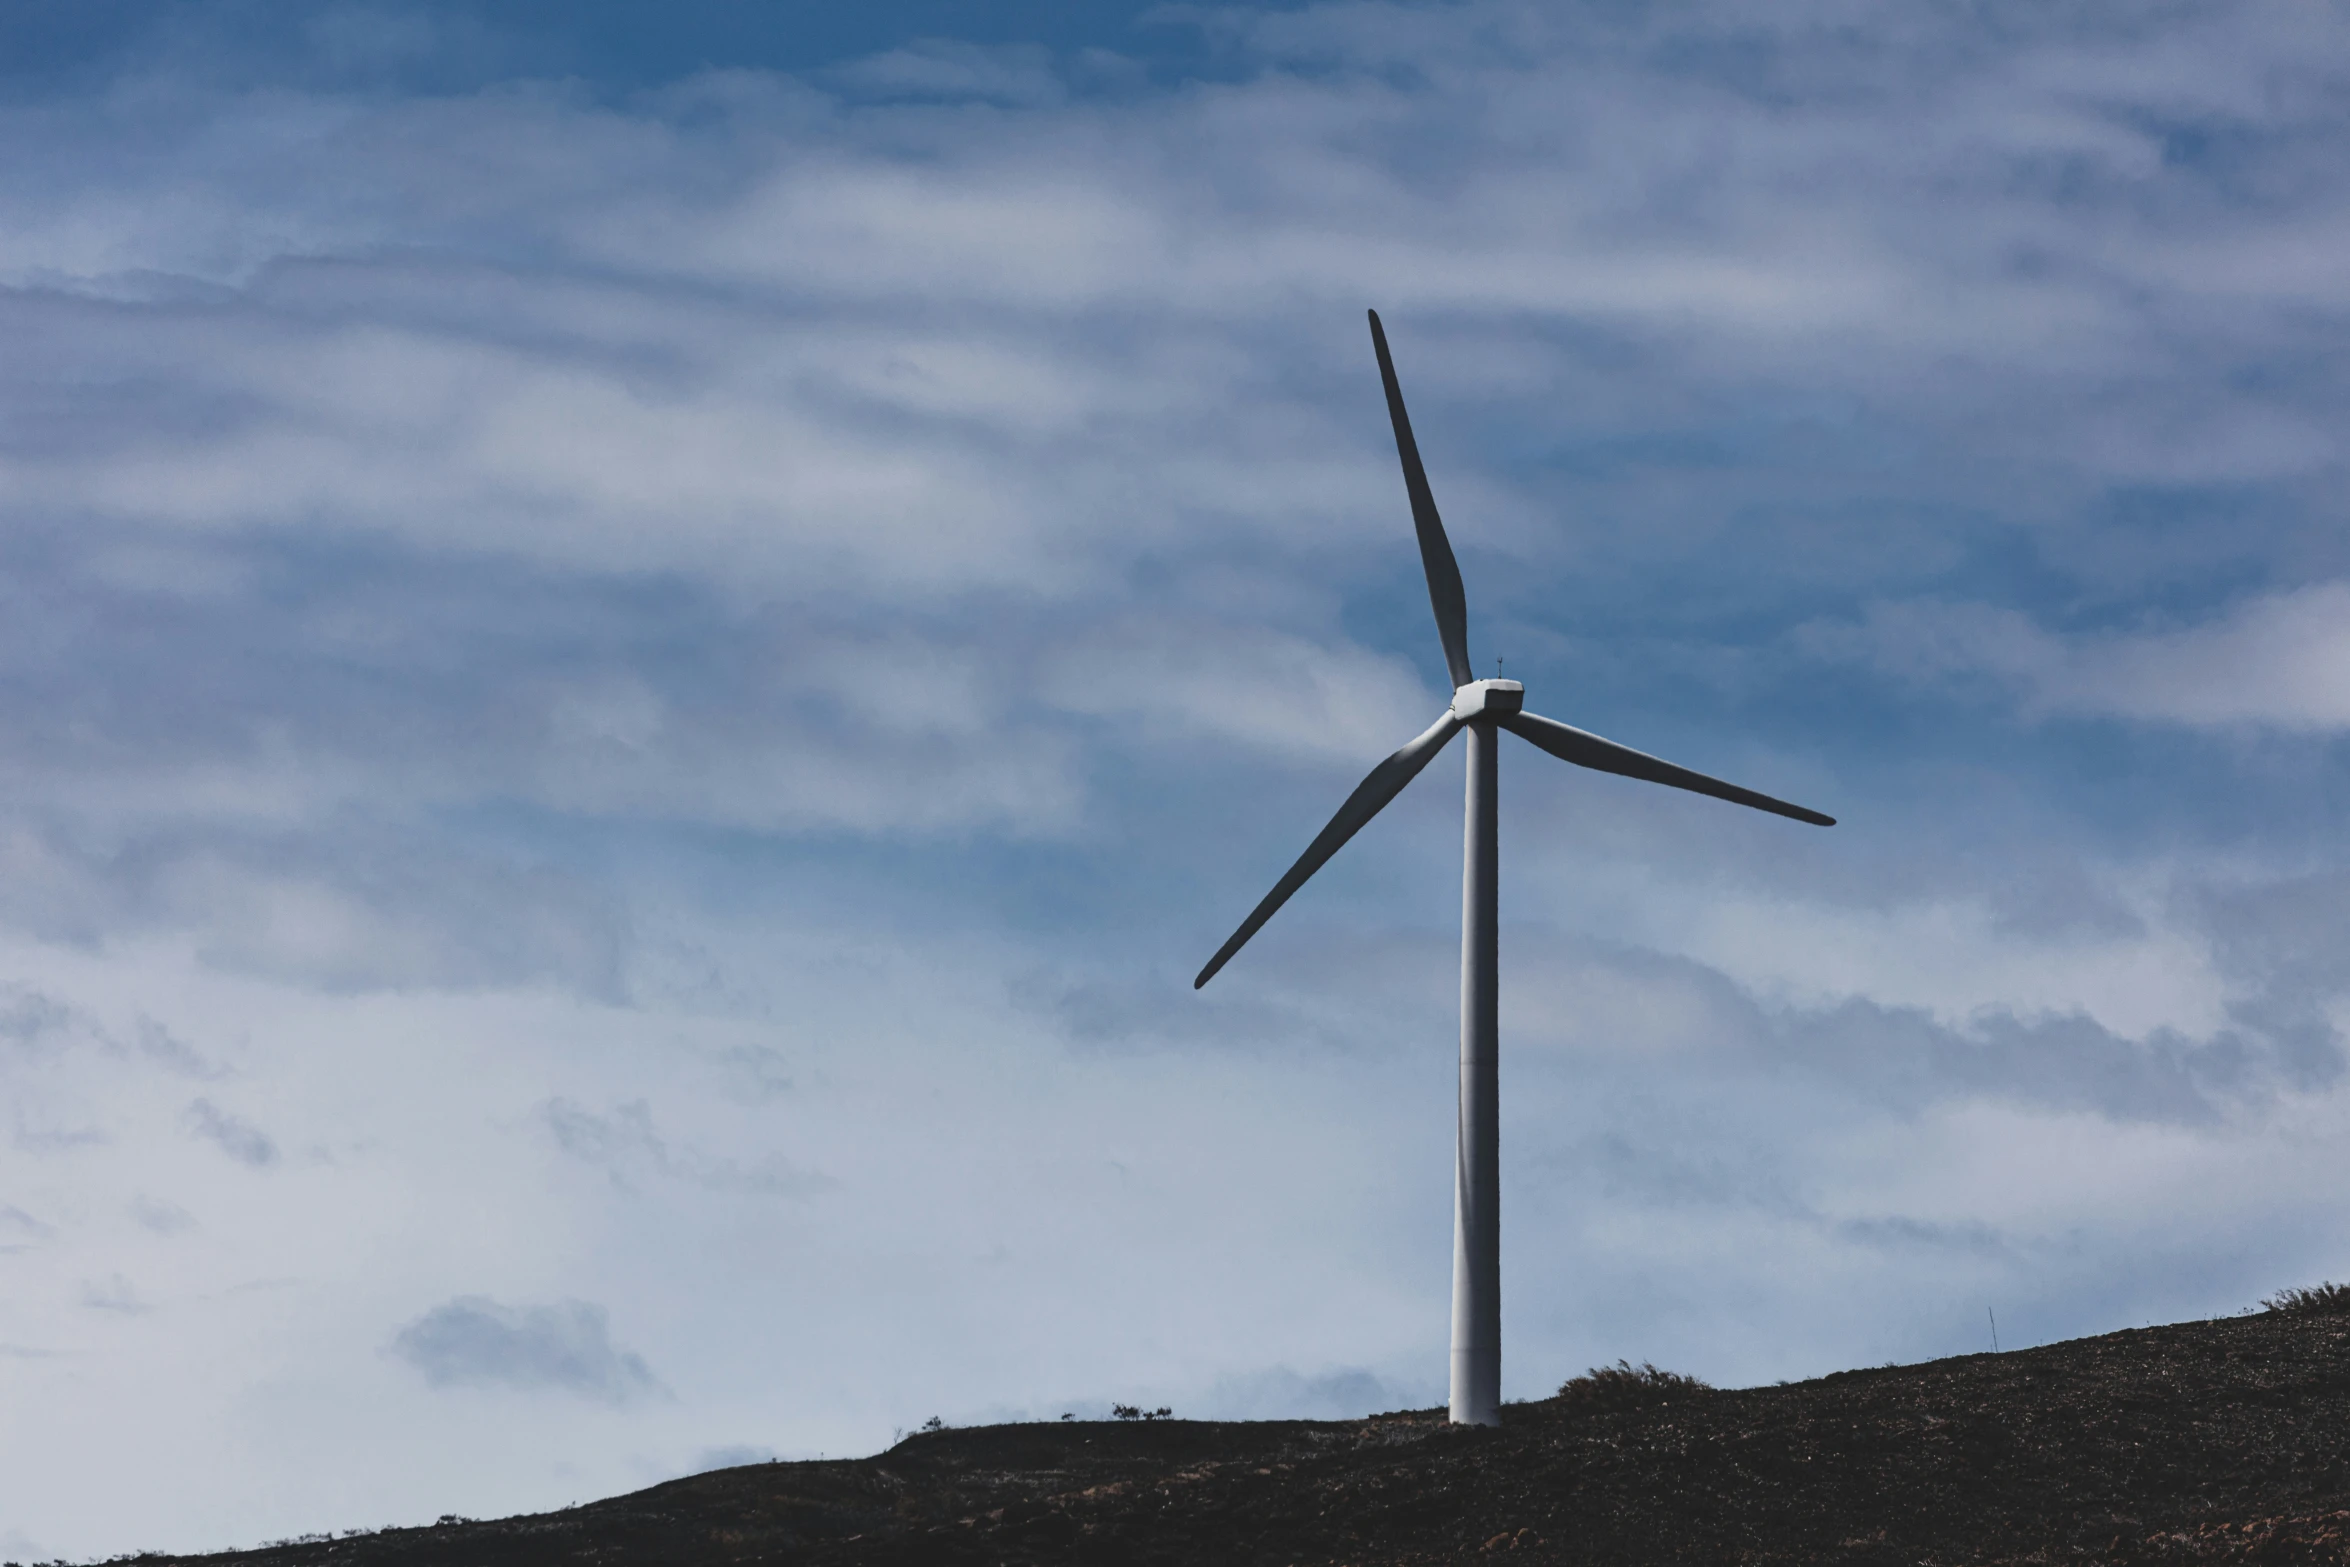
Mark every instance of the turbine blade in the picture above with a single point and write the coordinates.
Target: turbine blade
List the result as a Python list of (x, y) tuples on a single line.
[(1444, 573), (1584, 749), (1385, 782)]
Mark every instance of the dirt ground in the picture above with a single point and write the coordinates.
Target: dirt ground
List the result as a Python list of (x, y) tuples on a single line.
[(2224, 1441)]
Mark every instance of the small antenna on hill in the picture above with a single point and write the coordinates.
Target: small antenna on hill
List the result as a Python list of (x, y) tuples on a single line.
[(1994, 1316)]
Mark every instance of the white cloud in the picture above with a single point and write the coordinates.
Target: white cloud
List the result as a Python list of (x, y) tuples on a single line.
[(235, 1136), (115, 1293), (161, 1215), (1280, 694), (625, 1143), (474, 1341), (942, 68), (20, 1230), (2279, 661)]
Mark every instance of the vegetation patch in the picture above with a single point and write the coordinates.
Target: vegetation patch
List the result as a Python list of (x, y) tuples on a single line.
[(2319, 1300), (1604, 1389)]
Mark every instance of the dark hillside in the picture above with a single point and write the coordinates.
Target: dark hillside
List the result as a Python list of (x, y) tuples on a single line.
[(2224, 1441)]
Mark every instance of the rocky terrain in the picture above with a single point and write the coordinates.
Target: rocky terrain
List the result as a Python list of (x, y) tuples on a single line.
[(2225, 1441)]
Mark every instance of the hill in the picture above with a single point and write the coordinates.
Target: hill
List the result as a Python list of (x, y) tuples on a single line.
[(2225, 1441)]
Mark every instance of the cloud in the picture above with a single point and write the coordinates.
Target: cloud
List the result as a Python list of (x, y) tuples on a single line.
[(1278, 694), (19, 1230), (1323, 1004), (115, 1293), (367, 918), (55, 1139), (1600, 1002), (755, 1072), (1596, 1000), (2278, 937), (359, 910), (2278, 661), (625, 1143), (159, 1044), (31, 1021), (473, 1341), (2065, 1062), (963, 443), (160, 1215), (1895, 1233), (941, 68), (235, 1136), (42, 1027)]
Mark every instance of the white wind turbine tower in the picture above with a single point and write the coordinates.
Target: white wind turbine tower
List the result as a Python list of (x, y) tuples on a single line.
[(1481, 707)]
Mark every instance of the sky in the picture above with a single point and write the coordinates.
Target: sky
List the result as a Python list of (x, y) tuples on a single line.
[(641, 647)]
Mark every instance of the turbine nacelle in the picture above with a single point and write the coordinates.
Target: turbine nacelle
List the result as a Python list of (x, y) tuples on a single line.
[(1488, 699)]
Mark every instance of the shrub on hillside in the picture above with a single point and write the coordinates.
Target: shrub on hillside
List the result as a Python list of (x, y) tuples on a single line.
[(1623, 1385), (2317, 1300)]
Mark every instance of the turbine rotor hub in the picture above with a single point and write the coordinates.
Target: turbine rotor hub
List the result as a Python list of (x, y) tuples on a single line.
[(1484, 698)]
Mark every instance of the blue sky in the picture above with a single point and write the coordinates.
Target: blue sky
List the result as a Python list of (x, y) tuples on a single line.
[(643, 647), (55, 51)]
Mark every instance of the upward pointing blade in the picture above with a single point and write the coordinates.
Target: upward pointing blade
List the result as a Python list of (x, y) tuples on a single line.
[(1385, 782), (1585, 749), (1444, 573)]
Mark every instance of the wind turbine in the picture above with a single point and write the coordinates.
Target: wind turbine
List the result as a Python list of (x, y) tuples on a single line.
[(1482, 707)]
